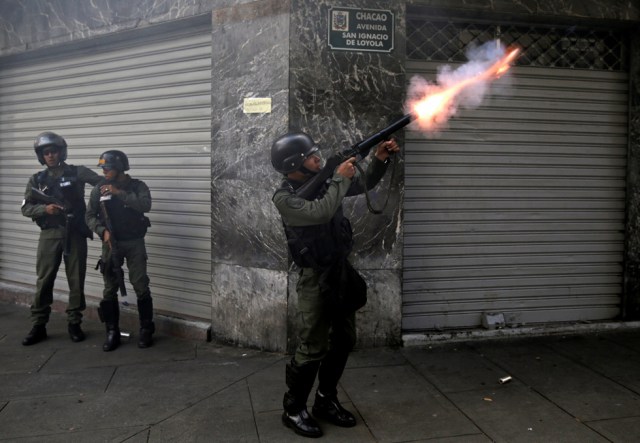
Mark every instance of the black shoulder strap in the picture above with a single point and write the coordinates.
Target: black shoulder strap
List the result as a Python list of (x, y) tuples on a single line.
[(366, 191), (40, 177)]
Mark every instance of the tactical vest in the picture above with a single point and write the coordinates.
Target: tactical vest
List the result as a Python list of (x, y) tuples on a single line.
[(68, 190), (127, 223), (318, 246)]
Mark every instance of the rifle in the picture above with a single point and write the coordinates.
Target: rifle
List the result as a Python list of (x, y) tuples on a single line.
[(114, 259), (358, 150), (37, 195)]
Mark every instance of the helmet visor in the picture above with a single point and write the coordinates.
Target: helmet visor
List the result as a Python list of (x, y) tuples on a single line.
[(314, 152), (319, 157), (48, 150)]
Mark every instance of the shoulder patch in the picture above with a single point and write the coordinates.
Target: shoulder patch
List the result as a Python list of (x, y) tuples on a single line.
[(295, 202)]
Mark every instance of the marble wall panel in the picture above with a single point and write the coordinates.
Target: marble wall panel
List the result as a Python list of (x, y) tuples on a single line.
[(380, 320), (248, 231), (27, 25), (250, 59), (249, 306), (250, 46)]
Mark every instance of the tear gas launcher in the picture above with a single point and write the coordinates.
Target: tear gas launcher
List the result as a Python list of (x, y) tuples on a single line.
[(359, 150)]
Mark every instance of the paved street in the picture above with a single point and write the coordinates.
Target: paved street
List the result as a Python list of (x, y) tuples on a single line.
[(582, 388)]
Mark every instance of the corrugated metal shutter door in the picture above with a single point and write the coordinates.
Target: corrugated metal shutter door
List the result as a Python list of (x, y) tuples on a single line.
[(518, 208), (151, 98)]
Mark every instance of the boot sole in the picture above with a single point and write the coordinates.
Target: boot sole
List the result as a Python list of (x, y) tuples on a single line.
[(111, 348), (77, 338), (33, 342), (331, 419)]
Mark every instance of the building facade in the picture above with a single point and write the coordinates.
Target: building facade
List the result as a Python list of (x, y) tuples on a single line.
[(524, 206)]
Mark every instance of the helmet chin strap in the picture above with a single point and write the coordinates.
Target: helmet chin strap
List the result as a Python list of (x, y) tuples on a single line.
[(306, 171)]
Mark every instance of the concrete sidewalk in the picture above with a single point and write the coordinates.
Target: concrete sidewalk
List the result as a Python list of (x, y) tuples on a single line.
[(564, 389)]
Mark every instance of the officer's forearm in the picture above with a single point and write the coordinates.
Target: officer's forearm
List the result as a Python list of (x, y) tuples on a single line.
[(313, 212)]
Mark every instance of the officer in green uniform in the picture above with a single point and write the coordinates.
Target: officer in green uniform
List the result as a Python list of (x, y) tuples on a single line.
[(59, 213), (124, 200), (319, 237)]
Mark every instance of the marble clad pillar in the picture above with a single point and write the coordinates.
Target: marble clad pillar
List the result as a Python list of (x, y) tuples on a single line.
[(249, 259), (277, 50)]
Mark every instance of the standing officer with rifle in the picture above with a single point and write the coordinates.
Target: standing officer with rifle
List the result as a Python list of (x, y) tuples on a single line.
[(54, 199), (116, 213), (319, 237)]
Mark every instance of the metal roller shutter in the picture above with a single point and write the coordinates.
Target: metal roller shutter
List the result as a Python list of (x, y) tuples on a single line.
[(519, 207), (148, 94)]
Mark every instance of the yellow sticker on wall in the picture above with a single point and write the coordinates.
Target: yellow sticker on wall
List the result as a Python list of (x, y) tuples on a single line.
[(255, 105)]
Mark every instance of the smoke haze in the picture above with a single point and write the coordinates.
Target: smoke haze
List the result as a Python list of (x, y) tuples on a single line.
[(480, 58)]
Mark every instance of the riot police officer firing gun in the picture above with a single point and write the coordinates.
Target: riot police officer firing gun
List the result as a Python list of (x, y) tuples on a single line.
[(320, 239)]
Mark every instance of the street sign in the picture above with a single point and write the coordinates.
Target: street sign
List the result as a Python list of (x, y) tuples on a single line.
[(352, 29)]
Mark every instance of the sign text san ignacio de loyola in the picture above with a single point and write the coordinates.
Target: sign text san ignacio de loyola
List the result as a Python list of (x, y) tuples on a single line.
[(360, 29)]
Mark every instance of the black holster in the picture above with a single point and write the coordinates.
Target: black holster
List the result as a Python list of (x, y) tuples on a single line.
[(343, 287)]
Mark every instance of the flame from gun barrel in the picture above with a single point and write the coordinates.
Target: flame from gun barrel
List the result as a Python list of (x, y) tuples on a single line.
[(436, 103)]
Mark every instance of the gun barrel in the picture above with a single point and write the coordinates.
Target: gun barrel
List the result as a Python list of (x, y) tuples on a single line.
[(384, 134), (39, 196), (359, 150)]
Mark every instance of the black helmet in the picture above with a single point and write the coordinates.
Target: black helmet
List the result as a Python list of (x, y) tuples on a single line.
[(114, 160), (289, 152), (49, 139)]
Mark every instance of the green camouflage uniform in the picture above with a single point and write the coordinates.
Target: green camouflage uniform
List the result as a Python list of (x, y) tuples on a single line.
[(319, 329), (50, 250), (130, 247)]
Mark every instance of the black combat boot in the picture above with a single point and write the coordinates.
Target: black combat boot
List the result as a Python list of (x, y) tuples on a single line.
[(75, 332), (300, 380), (147, 327), (110, 315), (329, 408), (326, 404), (35, 335)]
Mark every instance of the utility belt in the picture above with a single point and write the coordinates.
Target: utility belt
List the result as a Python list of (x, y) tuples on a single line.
[(46, 228), (46, 223)]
